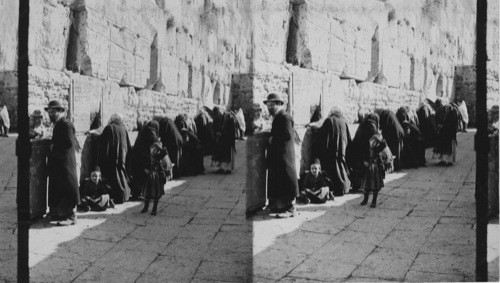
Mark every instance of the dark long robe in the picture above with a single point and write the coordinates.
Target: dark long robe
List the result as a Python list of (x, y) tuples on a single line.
[(172, 140), (447, 123), (334, 137), (95, 197), (205, 127), (414, 147), (142, 156), (225, 142), (427, 119), (89, 156), (358, 150), (315, 188), (282, 176), (115, 160), (63, 183), (393, 133), (192, 155)]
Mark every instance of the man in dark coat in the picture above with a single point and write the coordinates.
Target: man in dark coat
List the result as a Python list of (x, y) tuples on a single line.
[(114, 158), (283, 185), (393, 133), (63, 183), (171, 139), (334, 137)]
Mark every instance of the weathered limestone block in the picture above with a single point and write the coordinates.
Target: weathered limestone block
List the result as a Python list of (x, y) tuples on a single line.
[(46, 85), (362, 54), (152, 103), (130, 102), (352, 96), (9, 13), (332, 95), (195, 84), (112, 100), (405, 71), (121, 65), (256, 179), (49, 34), (271, 24), (418, 76), (183, 79), (391, 64), (307, 88), (242, 86), (87, 96), (168, 81)]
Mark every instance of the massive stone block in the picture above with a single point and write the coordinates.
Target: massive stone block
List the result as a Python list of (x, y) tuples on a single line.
[(49, 34), (9, 13), (46, 85), (306, 91)]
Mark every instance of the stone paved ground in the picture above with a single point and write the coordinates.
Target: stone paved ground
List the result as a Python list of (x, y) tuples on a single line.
[(422, 230)]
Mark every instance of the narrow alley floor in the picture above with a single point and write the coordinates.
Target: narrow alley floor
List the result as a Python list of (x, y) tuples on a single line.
[(423, 229)]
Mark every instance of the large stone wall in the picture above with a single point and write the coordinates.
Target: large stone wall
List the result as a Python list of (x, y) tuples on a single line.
[(145, 57)]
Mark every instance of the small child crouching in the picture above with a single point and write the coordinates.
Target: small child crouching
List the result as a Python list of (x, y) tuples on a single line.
[(95, 195), (158, 174), (373, 179), (315, 188)]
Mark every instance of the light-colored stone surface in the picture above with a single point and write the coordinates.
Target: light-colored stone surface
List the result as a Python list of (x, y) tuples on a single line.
[(181, 244)]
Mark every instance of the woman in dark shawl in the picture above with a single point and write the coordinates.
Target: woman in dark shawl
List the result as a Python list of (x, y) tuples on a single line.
[(114, 160), (427, 118), (171, 139), (446, 143), (334, 137), (205, 127), (191, 162), (224, 152), (393, 133), (142, 156), (414, 149), (359, 149)]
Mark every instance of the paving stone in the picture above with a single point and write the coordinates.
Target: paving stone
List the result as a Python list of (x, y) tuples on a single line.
[(433, 205), (199, 231), (453, 234), (457, 220), (438, 263), (109, 274), (275, 264), (302, 241), (323, 269), (417, 223), (389, 264), (170, 269), (232, 241), (86, 249), (352, 236), (207, 221), (141, 245), (8, 270), (155, 233), (136, 261), (243, 227), (214, 213), (418, 276), (366, 279), (433, 195), (354, 253), (387, 213), (187, 247), (461, 211), (408, 192), (375, 224), (219, 271), (405, 239), (426, 213), (322, 228), (178, 210), (291, 279), (397, 203), (56, 269), (446, 248)]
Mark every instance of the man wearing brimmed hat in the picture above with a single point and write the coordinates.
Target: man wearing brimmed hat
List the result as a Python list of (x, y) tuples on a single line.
[(283, 185), (63, 184)]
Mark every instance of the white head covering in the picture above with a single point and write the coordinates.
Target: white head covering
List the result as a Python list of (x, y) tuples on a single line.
[(116, 118)]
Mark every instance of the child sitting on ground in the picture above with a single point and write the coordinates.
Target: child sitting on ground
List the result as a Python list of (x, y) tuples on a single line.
[(95, 194), (158, 174), (315, 188), (373, 179)]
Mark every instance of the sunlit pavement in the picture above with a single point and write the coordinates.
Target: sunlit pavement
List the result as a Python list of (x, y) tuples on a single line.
[(423, 229)]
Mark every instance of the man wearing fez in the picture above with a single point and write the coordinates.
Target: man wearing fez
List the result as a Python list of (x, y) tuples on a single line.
[(283, 185), (63, 183)]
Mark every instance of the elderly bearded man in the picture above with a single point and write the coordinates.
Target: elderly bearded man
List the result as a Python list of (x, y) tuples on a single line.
[(63, 183), (283, 185)]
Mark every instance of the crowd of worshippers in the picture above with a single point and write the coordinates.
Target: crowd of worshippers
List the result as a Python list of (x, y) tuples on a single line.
[(333, 163), (113, 171)]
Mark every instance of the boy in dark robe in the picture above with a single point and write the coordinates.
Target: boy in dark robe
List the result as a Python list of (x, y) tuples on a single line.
[(95, 194), (315, 188)]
